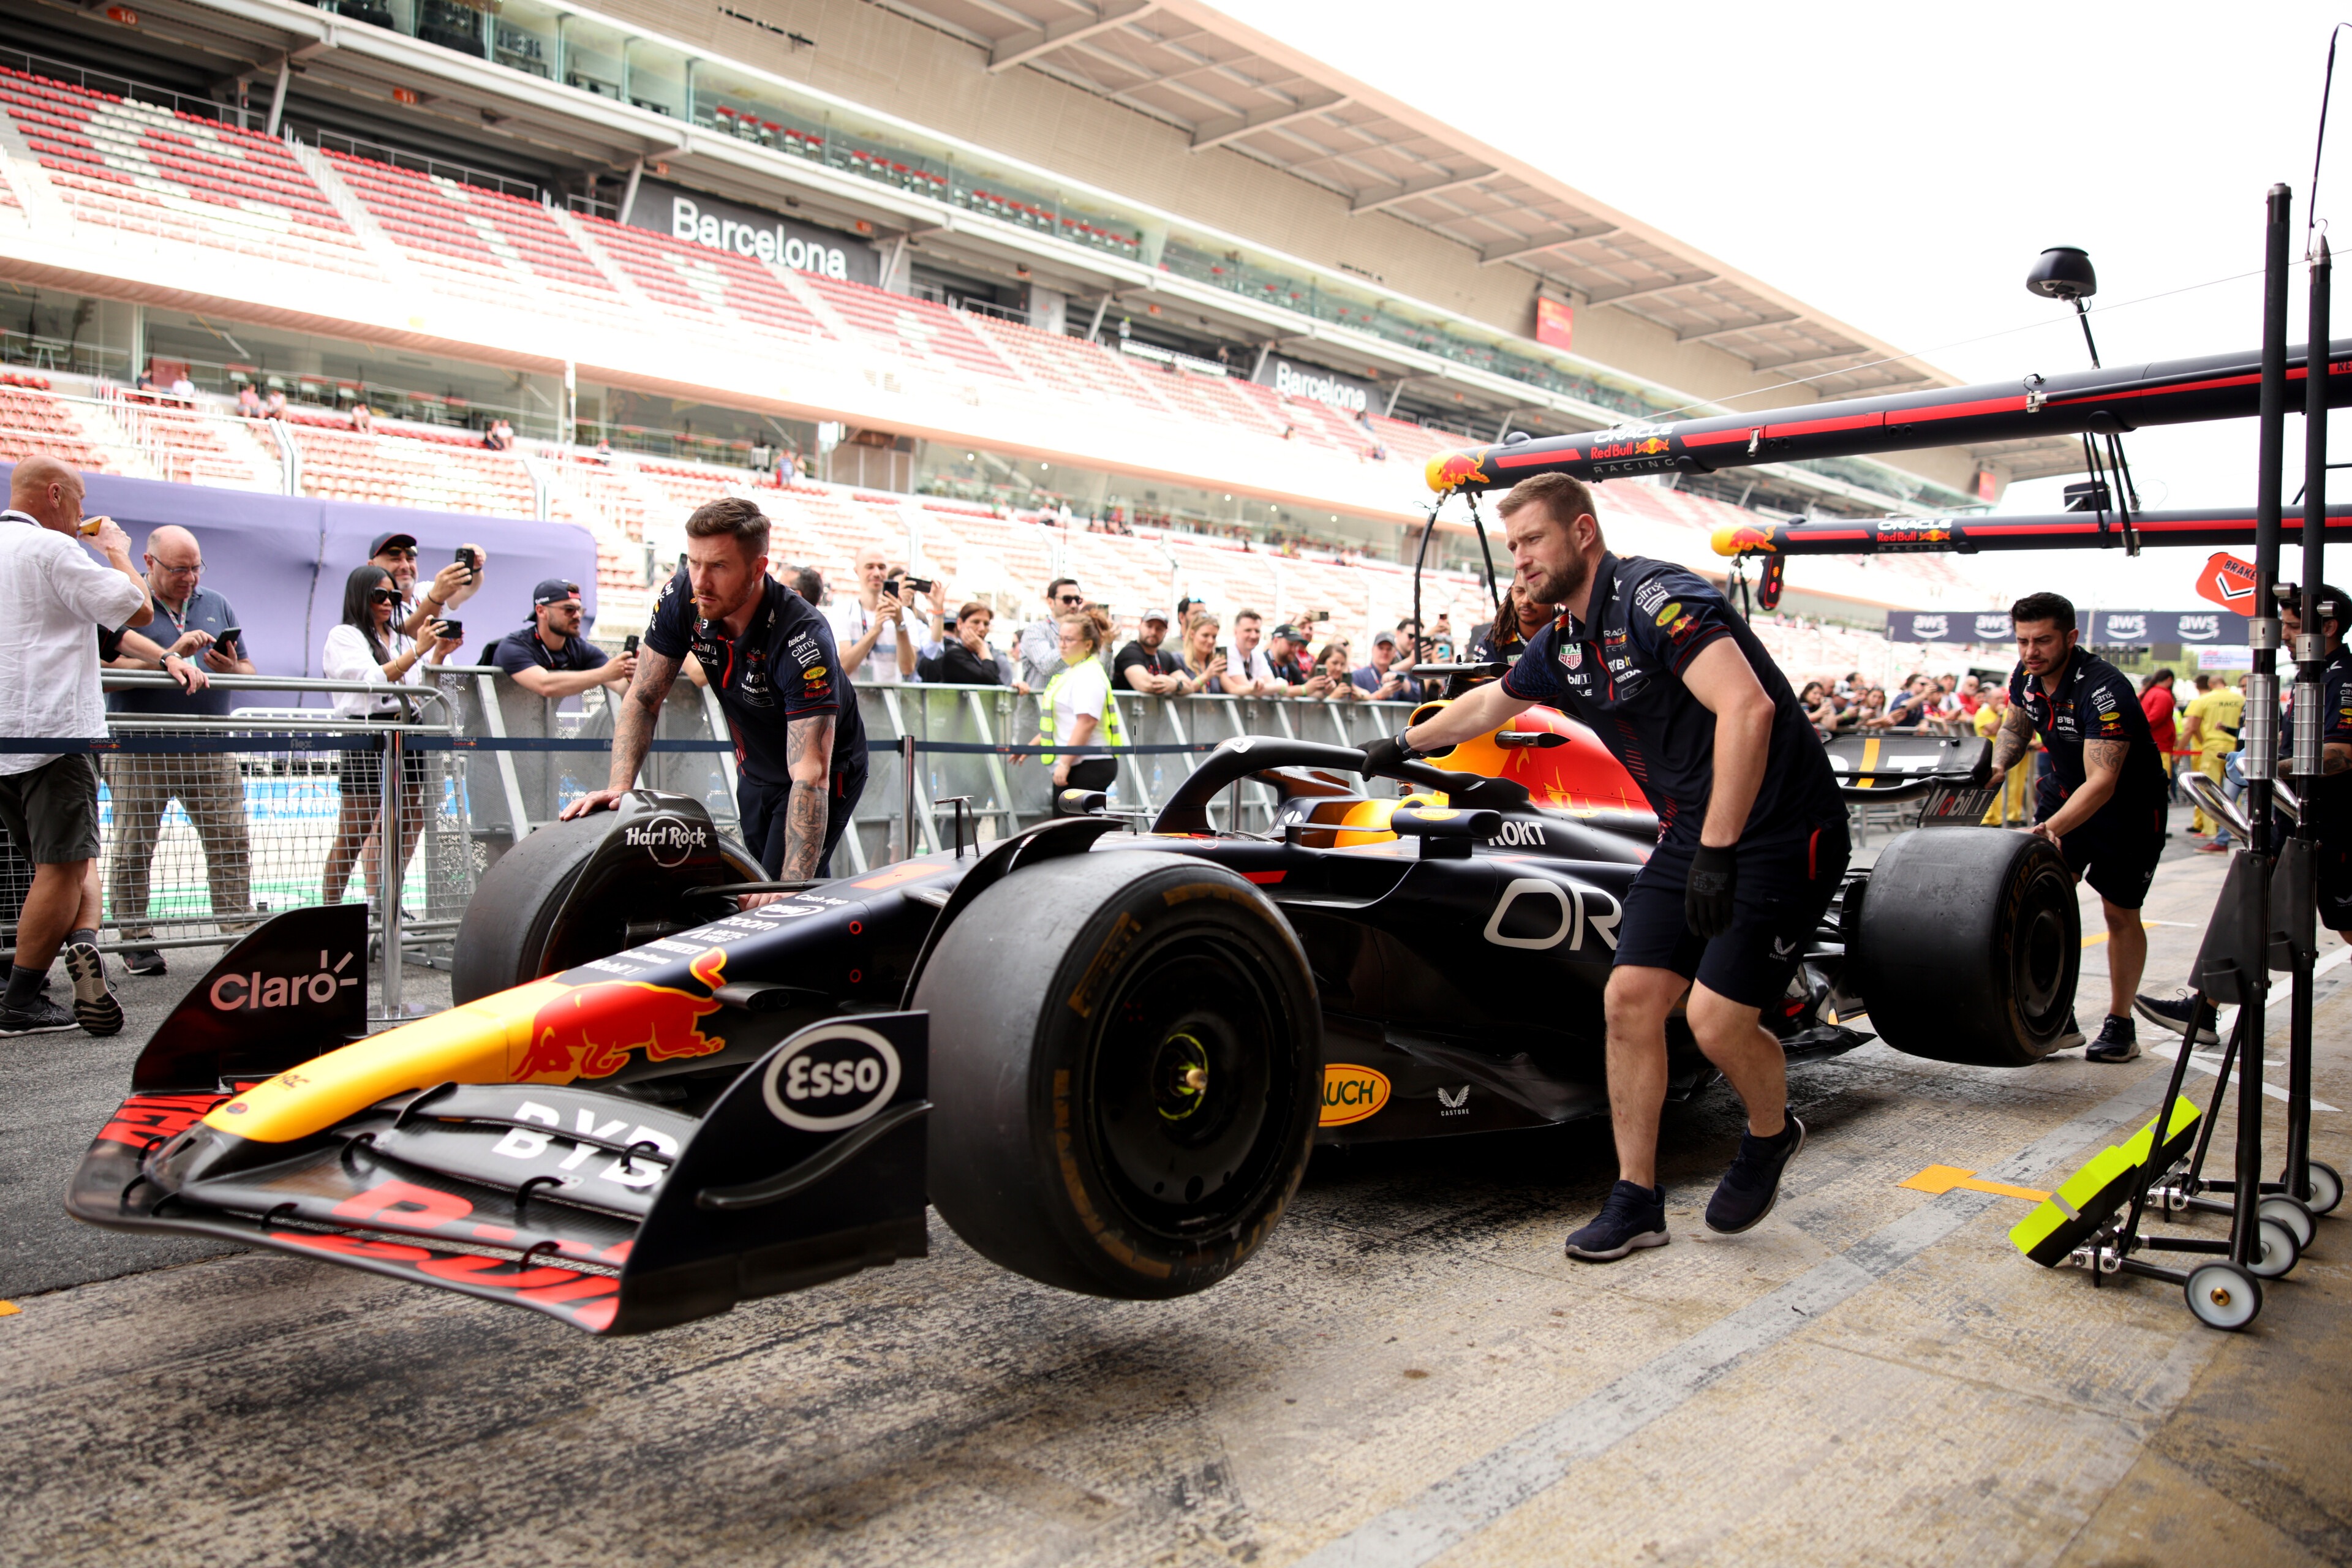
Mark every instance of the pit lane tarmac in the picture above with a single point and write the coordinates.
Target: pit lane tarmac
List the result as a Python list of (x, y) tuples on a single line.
[(1411, 1371)]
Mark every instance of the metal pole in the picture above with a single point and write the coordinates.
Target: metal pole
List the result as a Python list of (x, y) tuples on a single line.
[(906, 774), (388, 880), (2259, 735), (2310, 655)]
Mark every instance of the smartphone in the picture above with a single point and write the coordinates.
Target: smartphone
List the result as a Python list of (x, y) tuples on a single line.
[(629, 643), (471, 560), (227, 641), (453, 628)]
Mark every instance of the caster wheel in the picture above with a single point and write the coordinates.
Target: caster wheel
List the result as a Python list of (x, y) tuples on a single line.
[(2327, 1187), (2223, 1296), (2275, 1252), (2290, 1213)]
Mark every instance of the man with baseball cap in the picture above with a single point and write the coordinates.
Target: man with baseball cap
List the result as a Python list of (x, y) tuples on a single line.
[(551, 658), (452, 585), (1144, 665)]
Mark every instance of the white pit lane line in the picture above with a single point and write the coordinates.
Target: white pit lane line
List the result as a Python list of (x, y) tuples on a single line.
[(2274, 1017), (1483, 1491)]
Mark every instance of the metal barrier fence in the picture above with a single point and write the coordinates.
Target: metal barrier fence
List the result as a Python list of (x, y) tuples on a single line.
[(209, 824)]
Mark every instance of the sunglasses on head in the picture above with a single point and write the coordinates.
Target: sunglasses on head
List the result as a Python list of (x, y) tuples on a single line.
[(383, 595)]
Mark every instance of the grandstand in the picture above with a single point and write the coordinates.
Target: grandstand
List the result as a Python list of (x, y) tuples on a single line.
[(1054, 373)]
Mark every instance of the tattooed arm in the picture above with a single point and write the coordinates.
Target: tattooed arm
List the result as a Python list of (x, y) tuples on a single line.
[(632, 730), (2103, 768), (2013, 740), (808, 751)]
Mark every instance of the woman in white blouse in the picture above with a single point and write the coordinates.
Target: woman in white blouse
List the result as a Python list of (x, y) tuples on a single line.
[(368, 647)]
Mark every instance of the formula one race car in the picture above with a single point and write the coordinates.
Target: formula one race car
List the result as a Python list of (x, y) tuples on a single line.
[(1104, 1056)]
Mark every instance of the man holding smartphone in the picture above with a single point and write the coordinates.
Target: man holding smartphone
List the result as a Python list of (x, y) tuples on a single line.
[(550, 658), (196, 625), (451, 586)]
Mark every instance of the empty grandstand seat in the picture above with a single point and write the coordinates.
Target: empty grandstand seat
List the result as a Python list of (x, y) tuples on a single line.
[(133, 166)]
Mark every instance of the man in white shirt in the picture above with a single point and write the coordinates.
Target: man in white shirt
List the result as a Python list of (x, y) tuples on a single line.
[(866, 629), (52, 598)]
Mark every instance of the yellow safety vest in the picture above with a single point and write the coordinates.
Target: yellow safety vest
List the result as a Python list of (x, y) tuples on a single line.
[(1108, 733)]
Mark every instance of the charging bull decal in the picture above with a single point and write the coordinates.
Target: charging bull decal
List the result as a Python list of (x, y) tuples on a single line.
[(589, 1030)]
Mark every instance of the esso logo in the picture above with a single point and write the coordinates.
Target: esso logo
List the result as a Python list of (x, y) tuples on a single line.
[(833, 1080)]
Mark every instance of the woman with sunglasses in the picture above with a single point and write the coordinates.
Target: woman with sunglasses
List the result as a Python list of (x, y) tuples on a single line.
[(368, 647)]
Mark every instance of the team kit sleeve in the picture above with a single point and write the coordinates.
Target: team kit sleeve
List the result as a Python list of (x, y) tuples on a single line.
[(2109, 696), (670, 630), (811, 670), (1536, 677), (2336, 720), (1674, 615)]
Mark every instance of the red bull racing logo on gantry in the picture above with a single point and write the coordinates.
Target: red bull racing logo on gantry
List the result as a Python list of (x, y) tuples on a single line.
[(590, 1030)]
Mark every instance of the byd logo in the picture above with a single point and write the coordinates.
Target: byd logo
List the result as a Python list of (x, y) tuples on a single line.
[(240, 993), (831, 1081), (666, 839)]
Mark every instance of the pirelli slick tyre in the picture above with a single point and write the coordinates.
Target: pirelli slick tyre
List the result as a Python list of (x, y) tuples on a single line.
[(1126, 1054), (1968, 946), (519, 924)]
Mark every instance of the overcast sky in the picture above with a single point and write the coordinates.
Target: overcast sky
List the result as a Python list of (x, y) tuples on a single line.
[(1900, 168)]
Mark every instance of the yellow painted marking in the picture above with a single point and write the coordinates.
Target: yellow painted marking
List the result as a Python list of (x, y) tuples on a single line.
[(2143, 925), (1948, 1178), (1869, 760), (9, 1309)]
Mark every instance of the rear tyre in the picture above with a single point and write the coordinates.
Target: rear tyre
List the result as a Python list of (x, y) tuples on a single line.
[(1969, 946), (513, 934), (1126, 1049)]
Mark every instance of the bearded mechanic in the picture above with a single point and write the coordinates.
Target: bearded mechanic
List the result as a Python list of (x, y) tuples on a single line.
[(800, 747), (2103, 801), (1752, 841)]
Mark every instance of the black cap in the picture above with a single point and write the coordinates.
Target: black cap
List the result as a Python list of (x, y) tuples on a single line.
[(385, 541), (554, 591), (2332, 602), (1289, 633)]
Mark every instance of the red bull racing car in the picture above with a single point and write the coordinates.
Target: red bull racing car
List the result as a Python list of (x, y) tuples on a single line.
[(1104, 1056)]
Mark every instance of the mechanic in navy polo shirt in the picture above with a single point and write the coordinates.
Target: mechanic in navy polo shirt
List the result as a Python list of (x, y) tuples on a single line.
[(2103, 798), (1751, 834), (550, 658), (800, 747)]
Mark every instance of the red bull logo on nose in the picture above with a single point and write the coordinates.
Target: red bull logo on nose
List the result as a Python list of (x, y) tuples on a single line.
[(1455, 469), (590, 1030)]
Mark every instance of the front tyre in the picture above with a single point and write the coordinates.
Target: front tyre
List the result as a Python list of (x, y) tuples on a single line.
[(1126, 1048)]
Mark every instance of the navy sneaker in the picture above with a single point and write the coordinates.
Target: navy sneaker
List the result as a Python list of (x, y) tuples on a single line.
[(95, 1008), (1752, 1185), (2173, 1013), (1634, 1216), (38, 1016), (146, 959), (2117, 1042)]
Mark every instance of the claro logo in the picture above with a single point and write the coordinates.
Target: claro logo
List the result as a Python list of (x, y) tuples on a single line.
[(241, 993), (831, 1081), (666, 839), (1352, 1093)]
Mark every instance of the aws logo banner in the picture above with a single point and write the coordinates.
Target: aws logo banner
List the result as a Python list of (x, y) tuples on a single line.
[(1352, 1093)]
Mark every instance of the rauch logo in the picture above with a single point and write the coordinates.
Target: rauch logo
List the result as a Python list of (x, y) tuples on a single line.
[(1352, 1093)]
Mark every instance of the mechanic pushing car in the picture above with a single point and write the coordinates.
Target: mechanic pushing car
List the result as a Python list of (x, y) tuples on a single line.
[(1751, 847), (800, 747), (2102, 800)]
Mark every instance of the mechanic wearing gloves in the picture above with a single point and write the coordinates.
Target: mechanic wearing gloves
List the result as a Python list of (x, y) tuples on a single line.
[(800, 747), (2102, 800), (1751, 844)]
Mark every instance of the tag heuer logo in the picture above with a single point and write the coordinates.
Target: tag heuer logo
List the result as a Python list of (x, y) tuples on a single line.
[(1571, 655)]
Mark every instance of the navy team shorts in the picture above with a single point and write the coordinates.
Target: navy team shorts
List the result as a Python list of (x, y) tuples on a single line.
[(1784, 888)]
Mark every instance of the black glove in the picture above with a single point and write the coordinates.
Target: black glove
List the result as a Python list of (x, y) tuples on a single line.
[(1706, 895), (1982, 774), (1388, 754)]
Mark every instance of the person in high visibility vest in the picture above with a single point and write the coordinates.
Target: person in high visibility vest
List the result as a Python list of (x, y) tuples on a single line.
[(1076, 707), (2212, 730)]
